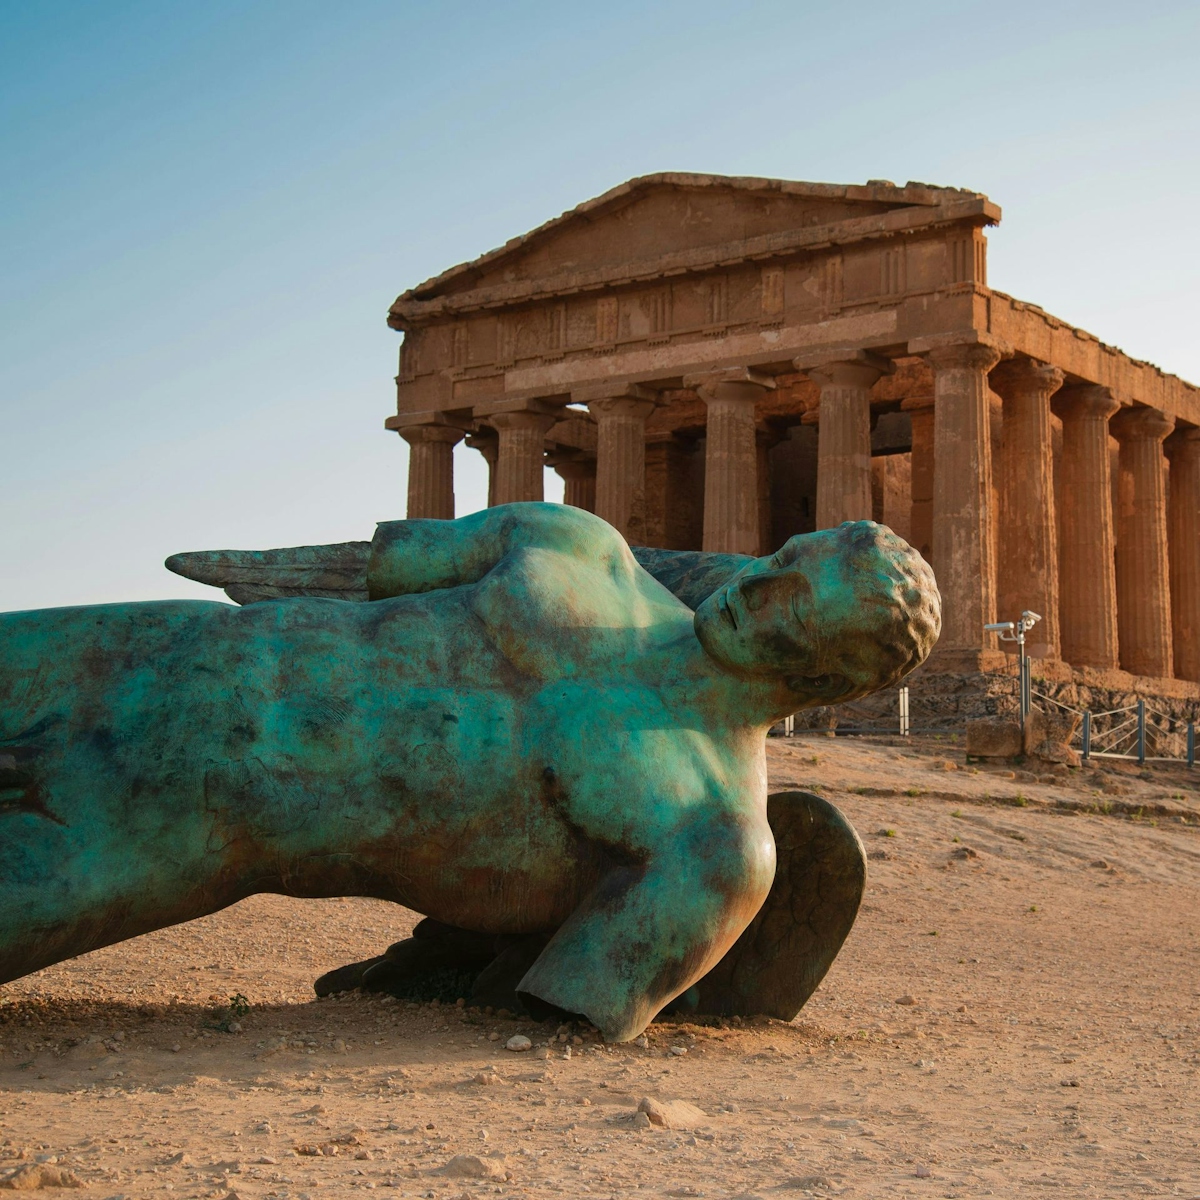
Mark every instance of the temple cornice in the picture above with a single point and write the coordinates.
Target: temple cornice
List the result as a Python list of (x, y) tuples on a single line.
[(1086, 359), (409, 309)]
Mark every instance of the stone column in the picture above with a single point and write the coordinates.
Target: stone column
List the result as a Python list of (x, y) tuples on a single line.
[(621, 456), (487, 442), (844, 442), (765, 440), (1184, 545), (1143, 583), (920, 409), (1027, 570), (794, 483), (578, 473), (962, 492), (1087, 581), (431, 470), (520, 459), (674, 510), (730, 468)]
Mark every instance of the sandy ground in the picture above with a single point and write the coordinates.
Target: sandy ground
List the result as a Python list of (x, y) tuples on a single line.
[(1016, 1013)]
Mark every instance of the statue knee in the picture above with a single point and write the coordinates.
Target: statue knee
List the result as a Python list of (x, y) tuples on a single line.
[(738, 857)]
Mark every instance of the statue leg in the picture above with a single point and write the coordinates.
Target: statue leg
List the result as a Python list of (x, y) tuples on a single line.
[(437, 962), (780, 958), (784, 953), (647, 932)]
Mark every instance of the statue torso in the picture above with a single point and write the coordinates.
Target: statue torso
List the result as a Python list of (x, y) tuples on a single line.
[(471, 751)]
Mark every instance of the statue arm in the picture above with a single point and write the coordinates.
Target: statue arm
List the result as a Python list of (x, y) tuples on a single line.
[(650, 929), (424, 555)]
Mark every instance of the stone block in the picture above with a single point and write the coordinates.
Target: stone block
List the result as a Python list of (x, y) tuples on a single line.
[(989, 737), (1048, 736)]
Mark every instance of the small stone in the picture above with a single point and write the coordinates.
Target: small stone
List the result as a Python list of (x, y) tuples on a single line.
[(182, 1159), (235, 1027), (518, 1043), (807, 1182), (494, 1036), (487, 1078), (39, 1175), (922, 1172), (471, 1166), (906, 1000), (339, 1046), (642, 1041), (672, 1114), (640, 1121), (678, 1051), (175, 1048)]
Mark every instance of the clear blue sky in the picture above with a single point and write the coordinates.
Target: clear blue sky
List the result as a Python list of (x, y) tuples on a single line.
[(206, 209)]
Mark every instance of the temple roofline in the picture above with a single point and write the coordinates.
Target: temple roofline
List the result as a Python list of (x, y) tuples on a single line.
[(912, 194)]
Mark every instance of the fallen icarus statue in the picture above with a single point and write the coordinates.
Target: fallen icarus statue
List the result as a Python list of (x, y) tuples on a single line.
[(524, 734)]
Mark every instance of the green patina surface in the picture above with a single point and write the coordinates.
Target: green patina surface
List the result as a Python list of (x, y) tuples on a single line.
[(523, 731)]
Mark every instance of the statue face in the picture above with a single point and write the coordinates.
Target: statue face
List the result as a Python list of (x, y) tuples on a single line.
[(836, 613)]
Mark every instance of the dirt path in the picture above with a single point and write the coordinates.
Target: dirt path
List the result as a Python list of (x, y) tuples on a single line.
[(1017, 1012)]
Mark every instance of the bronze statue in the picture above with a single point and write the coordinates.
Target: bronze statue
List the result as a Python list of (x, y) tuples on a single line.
[(523, 735)]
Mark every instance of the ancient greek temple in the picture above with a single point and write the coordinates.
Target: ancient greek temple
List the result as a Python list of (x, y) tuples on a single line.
[(720, 363)]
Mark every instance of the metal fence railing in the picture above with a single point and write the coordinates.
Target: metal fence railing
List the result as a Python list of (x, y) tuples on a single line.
[(858, 719), (1137, 732)]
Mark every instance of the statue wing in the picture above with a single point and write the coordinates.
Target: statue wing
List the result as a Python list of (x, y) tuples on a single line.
[(339, 571), (336, 572)]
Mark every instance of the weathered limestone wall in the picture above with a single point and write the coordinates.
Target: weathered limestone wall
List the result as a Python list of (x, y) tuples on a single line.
[(946, 700)]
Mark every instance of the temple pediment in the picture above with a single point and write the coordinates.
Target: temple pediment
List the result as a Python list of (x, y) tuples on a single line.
[(669, 224)]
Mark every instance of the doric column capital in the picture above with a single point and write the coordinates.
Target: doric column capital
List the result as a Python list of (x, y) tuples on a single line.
[(733, 384), (1085, 400), (620, 406), (1184, 444), (522, 419), (483, 439), (1016, 375), (844, 368), (595, 392), (963, 356), (429, 418), (571, 464), (424, 434), (1141, 424)]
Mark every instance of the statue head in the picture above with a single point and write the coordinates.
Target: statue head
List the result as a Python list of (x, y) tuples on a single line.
[(835, 614)]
